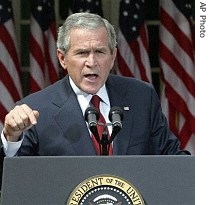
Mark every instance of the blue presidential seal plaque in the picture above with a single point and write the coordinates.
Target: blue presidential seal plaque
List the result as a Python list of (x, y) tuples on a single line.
[(105, 190)]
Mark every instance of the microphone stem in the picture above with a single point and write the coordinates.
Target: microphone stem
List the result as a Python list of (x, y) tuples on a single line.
[(104, 143)]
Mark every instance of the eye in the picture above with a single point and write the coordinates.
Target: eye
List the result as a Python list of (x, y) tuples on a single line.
[(100, 51), (82, 52)]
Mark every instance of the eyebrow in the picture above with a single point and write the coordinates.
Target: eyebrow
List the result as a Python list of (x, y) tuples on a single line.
[(102, 48)]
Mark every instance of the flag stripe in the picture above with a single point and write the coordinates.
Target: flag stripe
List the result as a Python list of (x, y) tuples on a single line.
[(177, 101), (174, 82), (43, 58), (7, 99), (180, 71), (182, 39), (132, 58), (10, 84), (53, 73), (2, 114), (5, 38), (8, 69), (123, 69), (177, 68), (123, 49), (185, 61), (176, 15)]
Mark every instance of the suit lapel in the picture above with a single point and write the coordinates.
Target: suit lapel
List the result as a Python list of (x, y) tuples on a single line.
[(70, 119), (117, 95)]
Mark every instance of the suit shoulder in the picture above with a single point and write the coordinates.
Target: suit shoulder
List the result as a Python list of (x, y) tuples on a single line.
[(47, 94), (130, 82)]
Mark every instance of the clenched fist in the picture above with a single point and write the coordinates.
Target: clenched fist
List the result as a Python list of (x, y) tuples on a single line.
[(21, 118)]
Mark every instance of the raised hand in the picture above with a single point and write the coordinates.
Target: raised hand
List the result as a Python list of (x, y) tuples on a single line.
[(21, 118)]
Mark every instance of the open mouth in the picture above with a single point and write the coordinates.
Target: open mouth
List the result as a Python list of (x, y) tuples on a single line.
[(91, 76)]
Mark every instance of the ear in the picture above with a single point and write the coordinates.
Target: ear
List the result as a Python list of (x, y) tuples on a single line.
[(61, 58), (114, 55)]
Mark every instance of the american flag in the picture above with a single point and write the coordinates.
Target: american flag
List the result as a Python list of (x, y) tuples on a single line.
[(177, 66), (90, 6), (133, 59), (44, 69), (10, 84)]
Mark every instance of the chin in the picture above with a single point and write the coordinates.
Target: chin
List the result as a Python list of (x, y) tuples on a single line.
[(91, 88), (91, 91)]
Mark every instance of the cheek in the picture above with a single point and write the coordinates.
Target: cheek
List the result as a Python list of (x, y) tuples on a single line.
[(74, 67), (108, 65), (74, 73)]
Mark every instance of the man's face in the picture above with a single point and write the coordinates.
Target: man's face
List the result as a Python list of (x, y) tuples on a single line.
[(89, 59)]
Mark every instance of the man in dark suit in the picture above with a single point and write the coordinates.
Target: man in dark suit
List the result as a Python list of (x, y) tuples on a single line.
[(51, 121)]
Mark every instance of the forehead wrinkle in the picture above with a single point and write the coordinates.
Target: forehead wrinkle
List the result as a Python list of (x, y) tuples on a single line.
[(89, 37)]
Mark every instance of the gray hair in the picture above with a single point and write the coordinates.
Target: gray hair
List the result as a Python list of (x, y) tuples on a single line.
[(87, 21)]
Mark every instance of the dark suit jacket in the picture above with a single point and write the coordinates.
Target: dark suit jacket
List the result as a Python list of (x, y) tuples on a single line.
[(61, 128)]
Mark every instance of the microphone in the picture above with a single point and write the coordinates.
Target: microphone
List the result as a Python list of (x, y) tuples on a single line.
[(116, 117), (91, 117)]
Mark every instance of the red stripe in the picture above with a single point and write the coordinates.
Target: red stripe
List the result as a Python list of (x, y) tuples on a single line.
[(8, 82), (38, 56), (34, 86), (51, 67), (172, 119), (175, 65), (138, 57), (180, 105), (37, 53), (185, 134), (44, 58), (5, 38), (123, 67), (3, 112), (144, 36), (53, 30), (187, 130), (180, 37)]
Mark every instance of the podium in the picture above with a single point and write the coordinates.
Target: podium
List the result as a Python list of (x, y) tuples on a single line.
[(160, 180)]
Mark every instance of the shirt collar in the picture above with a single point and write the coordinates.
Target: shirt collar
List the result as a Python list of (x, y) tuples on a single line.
[(102, 93)]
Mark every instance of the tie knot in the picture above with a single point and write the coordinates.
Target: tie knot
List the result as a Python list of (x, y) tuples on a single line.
[(96, 101)]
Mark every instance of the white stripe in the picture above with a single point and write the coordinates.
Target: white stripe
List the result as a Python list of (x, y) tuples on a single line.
[(178, 17), (164, 103), (41, 78), (190, 146), (170, 42), (1, 125), (145, 59), (11, 68), (9, 25), (182, 120), (37, 34), (6, 98), (178, 86), (124, 50), (53, 50), (36, 72)]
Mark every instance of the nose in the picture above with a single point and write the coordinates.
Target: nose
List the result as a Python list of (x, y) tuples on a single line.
[(91, 61)]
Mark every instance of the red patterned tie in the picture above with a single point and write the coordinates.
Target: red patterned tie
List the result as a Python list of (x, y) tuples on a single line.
[(96, 102)]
